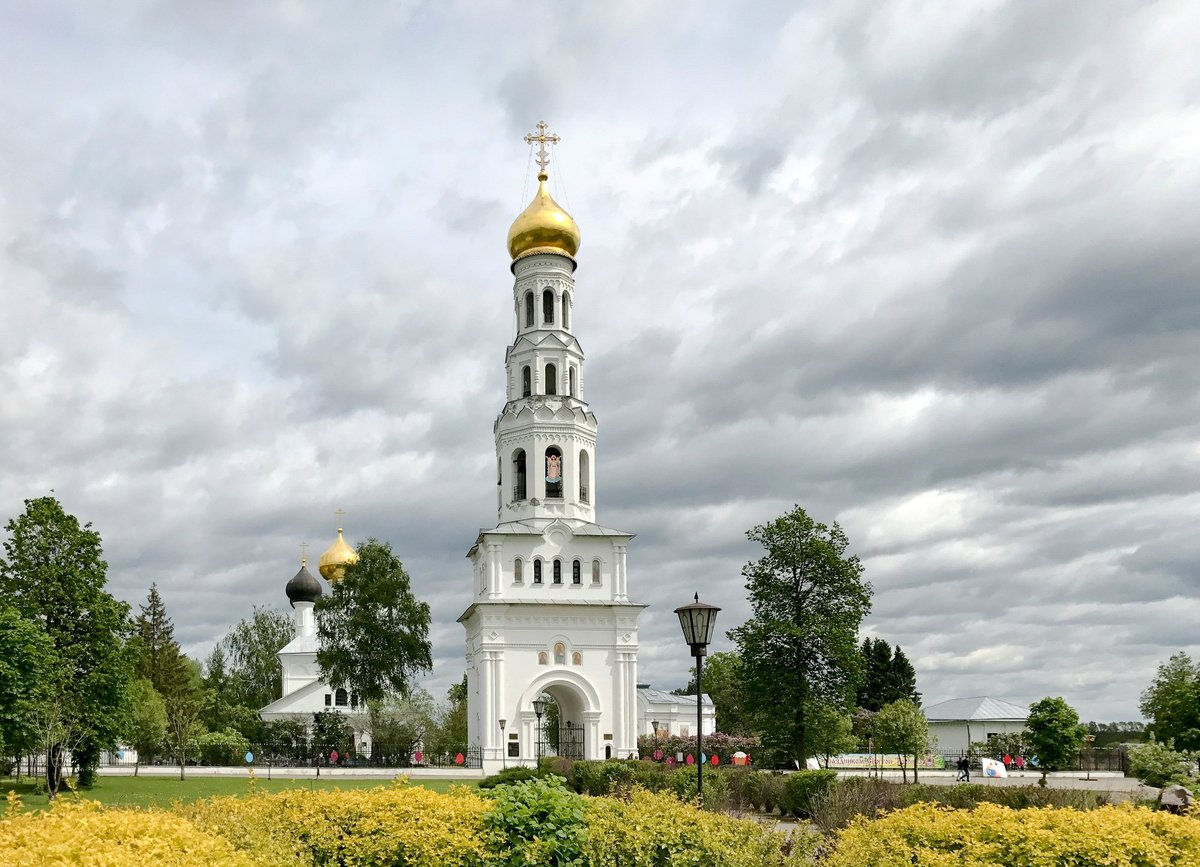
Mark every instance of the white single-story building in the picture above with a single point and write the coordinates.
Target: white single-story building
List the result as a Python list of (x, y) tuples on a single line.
[(957, 723)]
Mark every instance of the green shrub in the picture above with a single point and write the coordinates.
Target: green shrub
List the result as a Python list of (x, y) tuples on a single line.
[(516, 774), (1161, 765), (541, 822), (222, 748), (771, 788), (651, 776), (802, 788), (741, 780), (716, 787), (848, 799)]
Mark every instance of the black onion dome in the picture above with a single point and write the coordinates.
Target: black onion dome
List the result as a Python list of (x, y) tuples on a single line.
[(303, 588)]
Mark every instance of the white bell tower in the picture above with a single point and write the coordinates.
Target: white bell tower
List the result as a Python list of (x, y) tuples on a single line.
[(551, 613)]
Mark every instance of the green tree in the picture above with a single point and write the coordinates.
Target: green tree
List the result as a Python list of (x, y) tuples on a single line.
[(374, 633), (799, 649), (26, 662), (887, 675), (53, 574), (723, 684), (1172, 702), (1054, 734), (452, 726), (399, 725), (901, 728), (254, 675), (153, 644), (146, 724), (184, 697), (831, 732)]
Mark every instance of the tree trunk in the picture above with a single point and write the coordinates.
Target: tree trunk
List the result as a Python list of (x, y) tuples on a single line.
[(53, 771), (903, 767), (915, 763), (136, 765)]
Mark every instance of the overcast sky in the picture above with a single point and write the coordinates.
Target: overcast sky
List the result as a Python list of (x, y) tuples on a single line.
[(926, 269)]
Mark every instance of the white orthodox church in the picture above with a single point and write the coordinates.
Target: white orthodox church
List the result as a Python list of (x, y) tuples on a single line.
[(551, 616)]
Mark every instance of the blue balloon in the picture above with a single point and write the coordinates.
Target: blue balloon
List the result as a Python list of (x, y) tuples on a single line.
[(703, 758), (249, 757)]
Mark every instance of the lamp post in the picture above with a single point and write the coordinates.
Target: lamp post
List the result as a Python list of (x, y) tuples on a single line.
[(503, 747), (698, 621), (654, 725), (539, 708)]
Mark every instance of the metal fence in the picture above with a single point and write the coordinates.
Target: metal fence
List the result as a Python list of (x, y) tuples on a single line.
[(1099, 759), (312, 756)]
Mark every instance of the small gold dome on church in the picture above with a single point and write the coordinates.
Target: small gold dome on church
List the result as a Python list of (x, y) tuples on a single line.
[(543, 227), (335, 560)]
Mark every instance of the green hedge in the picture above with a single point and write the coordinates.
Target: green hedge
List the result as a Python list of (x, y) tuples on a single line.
[(803, 789)]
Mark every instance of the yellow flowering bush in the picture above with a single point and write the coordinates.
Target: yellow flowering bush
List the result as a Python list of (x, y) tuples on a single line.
[(84, 833), (655, 828), (933, 836), (399, 824)]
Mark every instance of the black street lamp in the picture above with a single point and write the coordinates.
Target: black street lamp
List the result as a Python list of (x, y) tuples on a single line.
[(698, 621), (539, 708), (503, 747)]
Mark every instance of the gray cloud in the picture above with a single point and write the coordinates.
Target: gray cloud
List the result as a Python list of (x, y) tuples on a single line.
[(935, 279)]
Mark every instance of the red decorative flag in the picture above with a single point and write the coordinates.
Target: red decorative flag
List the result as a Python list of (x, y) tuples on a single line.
[(691, 760), (417, 757), (716, 761), (658, 755), (333, 756), (458, 760), (670, 760)]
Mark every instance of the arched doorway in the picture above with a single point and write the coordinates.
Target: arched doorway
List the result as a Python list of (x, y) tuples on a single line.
[(569, 722)]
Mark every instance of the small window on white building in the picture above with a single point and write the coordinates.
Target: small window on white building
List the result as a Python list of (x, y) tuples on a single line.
[(557, 571), (328, 699), (537, 571), (595, 571), (528, 309), (576, 572), (341, 698), (548, 307), (518, 571)]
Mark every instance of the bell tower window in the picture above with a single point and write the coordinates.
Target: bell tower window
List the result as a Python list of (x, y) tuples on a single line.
[(554, 473), (584, 477), (526, 381), (519, 488), (566, 314), (571, 377), (548, 307), (551, 379), (528, 309)]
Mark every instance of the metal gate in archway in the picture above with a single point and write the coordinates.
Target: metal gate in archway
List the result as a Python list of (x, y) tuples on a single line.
[(565, 740)]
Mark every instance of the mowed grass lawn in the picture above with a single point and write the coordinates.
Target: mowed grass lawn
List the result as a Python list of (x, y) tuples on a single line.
[(163, 791)]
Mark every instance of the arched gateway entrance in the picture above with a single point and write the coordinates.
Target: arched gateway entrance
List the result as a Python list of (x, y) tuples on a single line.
[(569, 725)]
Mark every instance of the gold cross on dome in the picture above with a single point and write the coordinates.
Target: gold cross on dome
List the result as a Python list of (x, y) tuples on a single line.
[(303, 553), (543, 159), (341, 514)]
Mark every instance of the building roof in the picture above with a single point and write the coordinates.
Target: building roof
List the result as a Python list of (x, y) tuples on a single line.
[(661, 696), (974, 709)]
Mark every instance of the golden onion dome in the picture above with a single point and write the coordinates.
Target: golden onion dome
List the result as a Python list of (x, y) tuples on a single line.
[(543, 227), (335, 560)]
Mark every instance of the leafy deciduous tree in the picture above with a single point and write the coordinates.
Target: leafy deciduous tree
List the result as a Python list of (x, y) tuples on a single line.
[(723, 684), (146, 725), (254, 675), (374, 633), (799, 649), (901, 728), (53, 575), (1173, 703), (1053, 733), (26, 663), (832, 732)]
